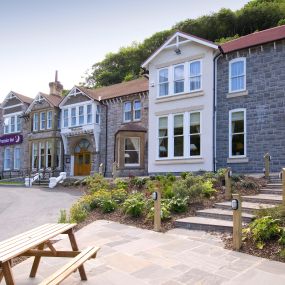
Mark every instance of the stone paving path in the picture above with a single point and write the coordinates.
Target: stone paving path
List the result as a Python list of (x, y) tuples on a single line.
[(135, 256)]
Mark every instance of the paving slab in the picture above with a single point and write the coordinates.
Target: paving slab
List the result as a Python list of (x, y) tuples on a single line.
[(173, 258)]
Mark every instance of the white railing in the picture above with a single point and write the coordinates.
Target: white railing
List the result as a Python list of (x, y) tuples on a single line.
[(29, 181), (53, 181)]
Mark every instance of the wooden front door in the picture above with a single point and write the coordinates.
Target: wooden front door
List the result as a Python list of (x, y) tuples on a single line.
[(82, 163)]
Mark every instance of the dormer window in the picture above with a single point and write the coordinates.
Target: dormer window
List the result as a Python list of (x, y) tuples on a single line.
[(73, 117), (12, 124), (43, 120), (35, 122)]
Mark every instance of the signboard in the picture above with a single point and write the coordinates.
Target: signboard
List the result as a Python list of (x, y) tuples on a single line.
[(11, 139)]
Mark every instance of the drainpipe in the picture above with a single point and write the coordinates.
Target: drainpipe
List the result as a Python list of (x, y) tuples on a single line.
[(106, 139), (214, 105)]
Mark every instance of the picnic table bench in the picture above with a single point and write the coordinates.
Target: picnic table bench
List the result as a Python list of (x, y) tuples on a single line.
[(37, 243)]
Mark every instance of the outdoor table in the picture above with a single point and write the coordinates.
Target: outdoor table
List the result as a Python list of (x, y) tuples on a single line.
[(33, 243)]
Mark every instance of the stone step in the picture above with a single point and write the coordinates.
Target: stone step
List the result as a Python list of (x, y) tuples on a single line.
[(204, 224), (221, 214), (270, 191), (247, 207), (263, 198), (274, 185)]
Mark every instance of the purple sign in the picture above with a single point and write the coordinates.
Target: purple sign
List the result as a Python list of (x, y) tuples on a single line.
[(11, 139)]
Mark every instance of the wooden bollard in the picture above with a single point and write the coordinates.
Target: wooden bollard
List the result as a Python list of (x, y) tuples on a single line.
[(283, 186), (237, 221), (228, 184), (157, 209), (267, 165)]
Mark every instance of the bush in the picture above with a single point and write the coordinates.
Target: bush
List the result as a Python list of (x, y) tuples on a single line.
[(221, 173), (63, 217), (183, 175), (165, 212), (170, 177), (167, 192), (119, 195), (178, 205), (134, 205), (207, 189), (98, 197), (277, 212), (236, 178), (96, 183), (138, 182), (248, 185), (78, 213), (264, 229), (121, 184), (108, 205)]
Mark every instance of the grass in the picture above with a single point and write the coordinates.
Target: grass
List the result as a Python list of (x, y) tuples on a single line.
[(11, 183)]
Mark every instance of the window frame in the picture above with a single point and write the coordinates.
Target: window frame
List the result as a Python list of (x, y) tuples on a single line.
[(173, 78), (5, 158), (139, 153), (124, 111), (19, 161), (242, 59), (65, 119), (97, 115), (49, 120), (48, 145), (201, 76), (244, 133), (134, 110), (35, 122), (200, 133), (45, 121), (164, 82), (7, 129), (168, 138), (81, 115), (89, 114), (33, 155), (71, 117), (175, 136)]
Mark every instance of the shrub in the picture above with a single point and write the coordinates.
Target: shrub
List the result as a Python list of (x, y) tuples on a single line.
[(78, 213), (134, 205), (119, 195), (108, 205), (63, 217), (183, 175), (165, 213), (121, 184), (207, 189), (236, 178), (221, 173), (248, 185), (138, 182), (277, 212), (96, 183), (170, 177), (178, 205), (167, 192), (264, 229)]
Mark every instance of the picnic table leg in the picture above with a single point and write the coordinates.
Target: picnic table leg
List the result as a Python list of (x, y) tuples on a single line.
[(74, 247), (1, 274), (36, 262), (8, 276)]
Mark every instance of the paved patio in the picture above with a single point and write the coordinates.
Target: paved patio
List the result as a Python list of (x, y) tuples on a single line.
[(135, 256)]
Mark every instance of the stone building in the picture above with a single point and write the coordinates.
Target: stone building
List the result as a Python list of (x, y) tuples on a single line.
[(105, 125), (250, 102), (45, 145), (13, 135)]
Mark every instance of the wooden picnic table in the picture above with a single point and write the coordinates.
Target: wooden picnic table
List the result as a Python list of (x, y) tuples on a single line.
[(37, 243)]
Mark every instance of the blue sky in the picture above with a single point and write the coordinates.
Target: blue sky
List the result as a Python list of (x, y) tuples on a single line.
[(41, 36)]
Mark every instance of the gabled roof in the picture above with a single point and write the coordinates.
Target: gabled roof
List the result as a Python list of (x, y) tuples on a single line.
[(112, 91), (53, 100), (179, 38), (254, 39), (22, 98)]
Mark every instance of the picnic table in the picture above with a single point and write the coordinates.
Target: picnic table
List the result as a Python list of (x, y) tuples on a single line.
[(37, 243)]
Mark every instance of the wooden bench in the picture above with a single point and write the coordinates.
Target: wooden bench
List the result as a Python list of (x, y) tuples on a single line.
[(37, 243), (71, 266)]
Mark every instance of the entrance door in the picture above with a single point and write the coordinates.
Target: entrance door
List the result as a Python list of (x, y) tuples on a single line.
[(82, 158)]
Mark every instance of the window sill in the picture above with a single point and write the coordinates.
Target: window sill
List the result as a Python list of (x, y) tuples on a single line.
[(179, 97), (237, 160), (237, 94), (179, 161)]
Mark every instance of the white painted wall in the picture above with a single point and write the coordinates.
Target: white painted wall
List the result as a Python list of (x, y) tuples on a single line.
[(204, 103)]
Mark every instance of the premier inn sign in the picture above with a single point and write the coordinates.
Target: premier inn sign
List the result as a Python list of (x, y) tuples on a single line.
[(10, 139)]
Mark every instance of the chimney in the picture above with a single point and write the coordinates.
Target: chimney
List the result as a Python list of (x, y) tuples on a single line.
[(55, 87)]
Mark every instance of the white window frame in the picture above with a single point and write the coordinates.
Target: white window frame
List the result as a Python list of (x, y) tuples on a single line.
[(134, 110), (49, 120), (58, 147), (35, 122), (15, 158), (168, 138), (139, 151), (9, 126), (200, 133), (48, 143), (33, 154), (160, 83), (130, 111), (65, 111), (243, 59), (18, 123), (201, 76), (40, 153), (230, 133), (89, 114), (5, 158), (71, 116), (97, 115), (174, 136), (41, 121), (82, 115), (173, 79)]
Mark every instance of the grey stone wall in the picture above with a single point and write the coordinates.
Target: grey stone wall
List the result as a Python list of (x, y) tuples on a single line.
[(265, 108), (114, 123)]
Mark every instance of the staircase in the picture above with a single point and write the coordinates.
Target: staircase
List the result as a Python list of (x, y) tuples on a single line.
[(220, 217)]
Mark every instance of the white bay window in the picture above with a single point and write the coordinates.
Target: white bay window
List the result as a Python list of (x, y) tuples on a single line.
[(12, 124), (179, 79)]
